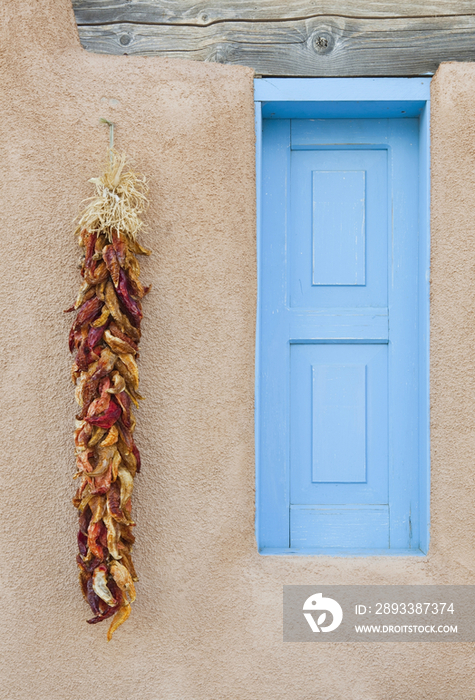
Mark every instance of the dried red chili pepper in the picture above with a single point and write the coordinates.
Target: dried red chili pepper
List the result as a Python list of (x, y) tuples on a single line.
[(92, 598), (123, 399), (90, 249), (120, 247), (106, 420), (136, 454), (110, 259), (115, 330), (99, 618), (88, 312), (82, 543), (95, 335), (105, 334), (132, 307)]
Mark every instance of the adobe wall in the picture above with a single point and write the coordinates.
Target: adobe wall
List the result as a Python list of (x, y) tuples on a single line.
[(207, 624)]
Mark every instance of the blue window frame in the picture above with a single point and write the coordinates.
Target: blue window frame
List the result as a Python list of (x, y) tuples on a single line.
[(342, 370)]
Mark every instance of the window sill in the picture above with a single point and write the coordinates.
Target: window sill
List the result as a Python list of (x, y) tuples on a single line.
[(337, 552)]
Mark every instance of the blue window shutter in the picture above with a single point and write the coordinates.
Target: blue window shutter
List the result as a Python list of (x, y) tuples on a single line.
[(340, 342)]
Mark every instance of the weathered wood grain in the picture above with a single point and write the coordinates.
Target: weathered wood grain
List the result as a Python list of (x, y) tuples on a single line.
[(324, 46), (204, 12)]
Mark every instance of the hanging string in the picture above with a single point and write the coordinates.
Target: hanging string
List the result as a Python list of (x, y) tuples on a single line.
[(111, 135)]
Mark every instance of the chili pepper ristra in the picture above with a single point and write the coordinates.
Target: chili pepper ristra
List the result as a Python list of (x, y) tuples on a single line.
[(105, 337)]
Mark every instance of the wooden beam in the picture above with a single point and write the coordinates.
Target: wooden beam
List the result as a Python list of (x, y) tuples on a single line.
[(279, 45), (202, 12)]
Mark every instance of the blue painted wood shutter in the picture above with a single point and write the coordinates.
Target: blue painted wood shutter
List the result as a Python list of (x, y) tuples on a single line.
[(339, 336)]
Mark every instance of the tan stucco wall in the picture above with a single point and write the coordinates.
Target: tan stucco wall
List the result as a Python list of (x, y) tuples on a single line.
[(208, 620)]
